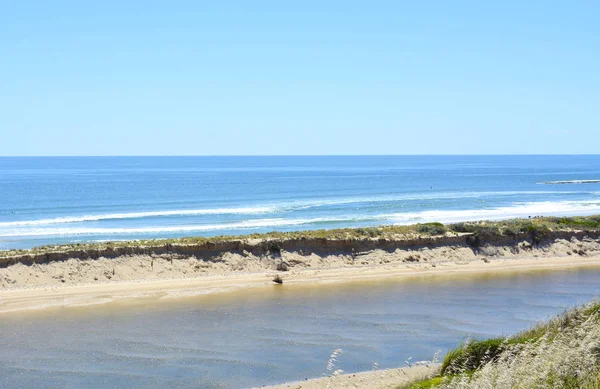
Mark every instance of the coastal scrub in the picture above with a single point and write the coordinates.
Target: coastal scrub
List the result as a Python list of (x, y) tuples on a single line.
[(561, 353)]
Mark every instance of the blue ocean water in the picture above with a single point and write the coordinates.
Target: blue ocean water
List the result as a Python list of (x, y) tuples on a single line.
[(50, 200)]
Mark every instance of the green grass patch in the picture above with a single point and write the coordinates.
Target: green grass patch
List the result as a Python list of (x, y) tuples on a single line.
[(578, 222), (472, 355), (425, 384)]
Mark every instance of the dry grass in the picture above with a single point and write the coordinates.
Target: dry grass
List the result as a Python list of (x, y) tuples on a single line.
[(561, 353)]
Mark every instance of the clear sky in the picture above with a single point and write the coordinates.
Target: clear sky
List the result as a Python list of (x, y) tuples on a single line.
[(299, 77)]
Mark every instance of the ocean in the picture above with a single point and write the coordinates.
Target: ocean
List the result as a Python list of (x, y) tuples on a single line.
[(53, 200)]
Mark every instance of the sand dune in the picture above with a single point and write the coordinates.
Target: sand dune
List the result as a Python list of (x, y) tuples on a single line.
[(97, 281)]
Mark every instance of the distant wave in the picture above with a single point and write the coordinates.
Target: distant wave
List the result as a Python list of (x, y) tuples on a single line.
[(246, 224), (137, 215), (518, 210), (417, 196), (571, 182), (525, 209), (289, 206)]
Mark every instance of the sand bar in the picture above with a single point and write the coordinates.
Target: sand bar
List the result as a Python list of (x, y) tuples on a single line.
[(44, 296), (75, 276)]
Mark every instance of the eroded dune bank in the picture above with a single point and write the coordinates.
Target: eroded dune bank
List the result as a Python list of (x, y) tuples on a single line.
[(32, 280)]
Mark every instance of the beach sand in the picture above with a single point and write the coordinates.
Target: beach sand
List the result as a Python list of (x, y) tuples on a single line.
[(77, 282), (377, 379)]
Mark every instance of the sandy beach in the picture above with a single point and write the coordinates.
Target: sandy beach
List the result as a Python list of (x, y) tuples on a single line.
[(76, 282), (376, 379)]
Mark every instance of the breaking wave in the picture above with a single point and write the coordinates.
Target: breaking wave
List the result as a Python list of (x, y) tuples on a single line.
[(288, 206), (517, 210), (138, 215)]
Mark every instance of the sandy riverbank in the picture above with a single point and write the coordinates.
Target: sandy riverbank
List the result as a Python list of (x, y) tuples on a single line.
[(377, 379), (77, 281)]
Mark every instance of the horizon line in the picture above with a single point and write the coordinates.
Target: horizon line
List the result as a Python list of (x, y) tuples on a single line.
[(292, 155)]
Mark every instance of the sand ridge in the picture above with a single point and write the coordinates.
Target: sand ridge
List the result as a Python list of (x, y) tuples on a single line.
[(85, 282)]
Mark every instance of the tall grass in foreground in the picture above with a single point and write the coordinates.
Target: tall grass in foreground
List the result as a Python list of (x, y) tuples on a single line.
[(563, 353), (331, 367)]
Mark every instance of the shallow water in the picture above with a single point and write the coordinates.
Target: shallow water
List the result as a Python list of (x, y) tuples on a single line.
[(282, 333), (65, 200)]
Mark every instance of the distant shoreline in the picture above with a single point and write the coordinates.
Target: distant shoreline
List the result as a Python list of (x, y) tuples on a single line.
[(85, 275)]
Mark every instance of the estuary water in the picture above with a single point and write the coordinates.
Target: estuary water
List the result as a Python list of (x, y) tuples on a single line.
[(278, 334), (66, 200)]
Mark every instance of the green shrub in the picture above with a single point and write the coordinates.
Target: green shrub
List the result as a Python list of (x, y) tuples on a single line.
[(461, 227), (431, 228), (483, 228), (370, 232)]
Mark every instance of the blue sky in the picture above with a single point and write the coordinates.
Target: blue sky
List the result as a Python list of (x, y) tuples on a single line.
[(305, 77)]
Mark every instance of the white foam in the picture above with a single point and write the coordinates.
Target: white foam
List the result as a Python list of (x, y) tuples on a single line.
[(413, 196), (271, 208), (137, 215), (519, 210), (546, 208), (70, 231)]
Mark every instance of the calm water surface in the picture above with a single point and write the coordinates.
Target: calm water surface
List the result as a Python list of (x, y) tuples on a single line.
[(278, 334)]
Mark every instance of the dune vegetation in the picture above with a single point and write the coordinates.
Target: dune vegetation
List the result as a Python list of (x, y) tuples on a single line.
[(563, 352), (534, 229)]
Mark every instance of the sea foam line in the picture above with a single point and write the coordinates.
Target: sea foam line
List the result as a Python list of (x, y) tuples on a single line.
[(246, 224), (138, 215), (518, 210), (303, 204), (289, 206)]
